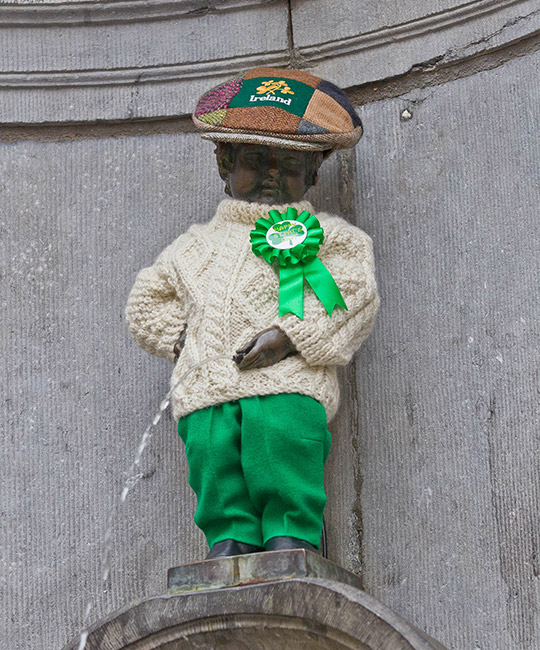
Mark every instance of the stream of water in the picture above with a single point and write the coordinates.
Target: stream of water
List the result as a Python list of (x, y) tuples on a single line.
[(132, 478)]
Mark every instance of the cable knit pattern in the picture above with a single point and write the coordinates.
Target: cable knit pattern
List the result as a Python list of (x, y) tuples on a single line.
[(210, 281)]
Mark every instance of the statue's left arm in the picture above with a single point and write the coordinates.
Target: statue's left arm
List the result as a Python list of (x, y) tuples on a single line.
[(323, 340)]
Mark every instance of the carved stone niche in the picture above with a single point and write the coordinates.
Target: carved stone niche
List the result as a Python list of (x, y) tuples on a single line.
[(65, 61), (115, 60), (282, 599)]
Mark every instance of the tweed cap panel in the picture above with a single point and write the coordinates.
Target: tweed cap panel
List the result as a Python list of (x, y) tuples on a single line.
[(341, 98), (260, 117), (215, 118), (324, 111), (307, 127), (218, 98), (284, 73)]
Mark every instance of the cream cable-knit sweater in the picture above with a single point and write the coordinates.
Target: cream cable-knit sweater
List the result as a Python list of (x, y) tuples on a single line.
[(210, 280)]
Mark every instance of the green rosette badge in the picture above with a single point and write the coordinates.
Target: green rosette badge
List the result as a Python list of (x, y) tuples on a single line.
[(293, 240)]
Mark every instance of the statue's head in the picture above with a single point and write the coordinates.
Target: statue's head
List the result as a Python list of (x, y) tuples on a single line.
[(263, 174), (273, 128)]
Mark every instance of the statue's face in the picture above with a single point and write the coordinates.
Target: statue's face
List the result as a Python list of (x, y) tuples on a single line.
[(270, 175)]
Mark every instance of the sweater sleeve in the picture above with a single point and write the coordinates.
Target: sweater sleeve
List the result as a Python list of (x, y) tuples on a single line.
[(156, 310), (323, 340)]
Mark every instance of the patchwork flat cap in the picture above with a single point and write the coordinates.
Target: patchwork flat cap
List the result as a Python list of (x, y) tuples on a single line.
[(279, 107)]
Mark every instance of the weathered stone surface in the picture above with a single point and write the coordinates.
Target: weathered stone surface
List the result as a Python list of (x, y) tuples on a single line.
[(78, 221), (448, 405), (357, 43)]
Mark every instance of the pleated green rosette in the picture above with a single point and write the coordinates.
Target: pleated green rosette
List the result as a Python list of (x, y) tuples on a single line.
[(293, 240)]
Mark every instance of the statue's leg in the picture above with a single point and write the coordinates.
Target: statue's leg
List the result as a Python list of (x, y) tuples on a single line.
[(224, 508), (285, 443)]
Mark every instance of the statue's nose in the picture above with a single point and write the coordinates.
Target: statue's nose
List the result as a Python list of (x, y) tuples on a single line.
[(270, 181), (273, 168)]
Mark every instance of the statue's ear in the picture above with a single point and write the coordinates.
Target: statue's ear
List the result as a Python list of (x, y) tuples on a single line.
[(225, 158), (316, 162)]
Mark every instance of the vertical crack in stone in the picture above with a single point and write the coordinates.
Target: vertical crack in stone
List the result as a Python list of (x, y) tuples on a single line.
[(357, 534), (347, 175), (290, 33), (296, 59), (512, 521)]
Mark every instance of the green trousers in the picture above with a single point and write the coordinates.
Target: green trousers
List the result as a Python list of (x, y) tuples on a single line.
[(256, 466)]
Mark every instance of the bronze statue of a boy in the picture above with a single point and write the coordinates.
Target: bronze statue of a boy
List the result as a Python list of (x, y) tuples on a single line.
[(254, 422)]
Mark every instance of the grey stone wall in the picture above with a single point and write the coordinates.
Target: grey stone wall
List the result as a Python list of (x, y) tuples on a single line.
[(448, 387), (433, 477)]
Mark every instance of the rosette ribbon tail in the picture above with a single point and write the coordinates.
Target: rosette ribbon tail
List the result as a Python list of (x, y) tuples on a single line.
[(323, 284), (291, 290)]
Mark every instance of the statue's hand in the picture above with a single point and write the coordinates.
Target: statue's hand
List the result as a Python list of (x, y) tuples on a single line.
[(265, 349), (179, 345)]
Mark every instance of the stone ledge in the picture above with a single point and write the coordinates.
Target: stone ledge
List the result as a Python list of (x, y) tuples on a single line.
[(292, 599), (255, 568)]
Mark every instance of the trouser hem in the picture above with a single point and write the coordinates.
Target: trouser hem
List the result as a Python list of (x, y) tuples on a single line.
[(253, 539)]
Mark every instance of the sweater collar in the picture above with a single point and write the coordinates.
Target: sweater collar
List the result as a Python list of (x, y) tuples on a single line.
[(232, 210)]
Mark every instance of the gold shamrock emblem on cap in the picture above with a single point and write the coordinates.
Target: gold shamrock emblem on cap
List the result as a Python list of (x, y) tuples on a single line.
[(270, 87)]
